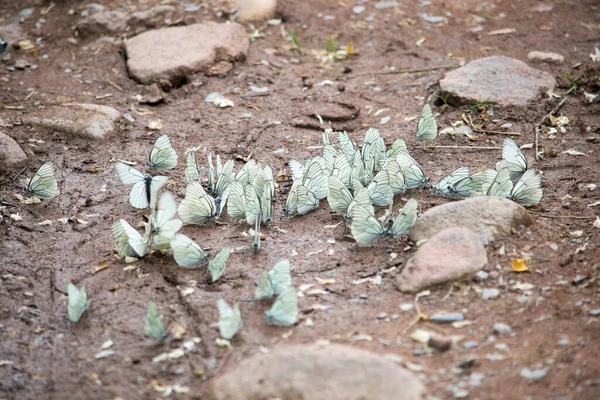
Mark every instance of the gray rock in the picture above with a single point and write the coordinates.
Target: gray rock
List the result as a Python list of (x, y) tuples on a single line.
[(533, 374), (498, 79), (488, 217), (594, 313), (382, 315), (450, 254), (545, 56), (446, 318), (11, 153), (488, 294), (481, 276), (470, 344), (502, 328), (439, 342), (114, 22), (307, 372), (172, 54), (89, 121), (152, 18)]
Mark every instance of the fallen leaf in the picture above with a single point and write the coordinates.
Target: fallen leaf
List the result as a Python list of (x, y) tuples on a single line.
[(504, 31), (518, 265), (155, 125), (98, 268), (574, 152), (223, 343), (322, 281), (589, 96), (595, 56)]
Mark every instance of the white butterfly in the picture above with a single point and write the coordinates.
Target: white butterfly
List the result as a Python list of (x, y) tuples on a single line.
[(253, 208), (219, 178), (162, 155), (361, 200), (304, 197), (372, 151), (528, 189), (78, 302), (347, 145), (164, 227), (264, 186), (155, 328), (501, 186), (274, 281), (297, 170), (396, 176), (338, 197), (366, 229), (145, 187), (191, 168), (43, 184), (128, 241), (236, 201), (427, 126), (485, 179), (198, 207), (455, 185), (247, 173), (230, 319), (284, 311), (358, 171), (514, 157), (380, 190), (413, 173), (217, 265), (399, 146), (187, 253), (342, 170)]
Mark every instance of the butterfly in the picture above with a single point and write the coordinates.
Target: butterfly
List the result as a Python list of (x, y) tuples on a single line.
[(484, 180), (514, 157), (347, 145), (427, 127), (458, 184), (217, 265), (164, 227), (155, 328), (230, 319), (342, 170), (501, 186), (361, 200), (191, 168), (198, 207), (396, 176), (163, 155), (220, 177), (78, 302), (236, 202), (187, 253), (128, 241), (284, 311), (305, 194), (145, 187), (372, 151), (380, 190), (399, 146), (274, 281), (338, 197), (247, 173), (528, 190), (366, 229), (43, 184), (413, 173)]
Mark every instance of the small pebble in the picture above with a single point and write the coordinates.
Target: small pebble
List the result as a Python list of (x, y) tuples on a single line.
[(494, 274), (439, 342), (488, 294), (364, 296), (578, 303), (476, 379), (461, 394), (382, 315), (395, 316), (471, 344), (481, 276), (501, 328), (594, 313), (446, 318), (406, 307), (563, 342), (419, 352), (358, 9), (579, 279), (534, 374)]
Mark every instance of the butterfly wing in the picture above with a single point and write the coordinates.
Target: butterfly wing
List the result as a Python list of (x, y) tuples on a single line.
[(528, 190), (306, 200), (264, 288), (43, 184), (512, 154), (399, 146), (224, 178), (187, 253), (361, 200), (445, 186), (280, 276), (315, 180), (339, 197), (347, 145), (297, 170), (427, 126), (253, 208), (380, 190), (217, 265), (191, 168), (502, 185), (230, 319), (236, 203), (406, 219), (365, 227), (163, 156), (413, 173), (247, 173), (284, 311), (78, 302), (396, 176), (128, 241), (291, 202)]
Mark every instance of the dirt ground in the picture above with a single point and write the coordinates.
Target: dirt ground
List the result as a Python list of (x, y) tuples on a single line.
[(53, 358)]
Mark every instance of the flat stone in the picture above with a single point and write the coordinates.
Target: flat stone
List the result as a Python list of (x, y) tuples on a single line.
[(11, 153), (439, 342), (172, 54), (449, 255), (446, 318), (488, 217), (89, 121), (497, 79), (488, 294), (317, 373), (546, 56), (501, 328), (114, 22), (254, 10)]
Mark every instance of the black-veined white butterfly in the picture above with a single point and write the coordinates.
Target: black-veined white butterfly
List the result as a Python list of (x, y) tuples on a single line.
[(358, 171), (128, 241), (155, 328), (366, 229), (399, 146), (501, 186), (236, 202), (338, 197), (274, 281), (191, 168), (528, 189), (380, 190), (198, 207), (284, 311), (514, 157), (485, 179), (164, 227), (78, 302), (427, 126), (413, 173), (220, 177), (347, 145), (361, 200), (458, 184), (396, 176), (341, 169), (187, 253), (163, 155), (230, 319), (304, 197), (217, 265), (247, 173), (372, 151), (145, 187), (43, 184)]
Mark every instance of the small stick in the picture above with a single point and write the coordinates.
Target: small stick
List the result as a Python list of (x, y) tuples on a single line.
[(111, 83), (29, 95), (538, 126), (460, 147), (563, 216), (410, 70), (496, 132)]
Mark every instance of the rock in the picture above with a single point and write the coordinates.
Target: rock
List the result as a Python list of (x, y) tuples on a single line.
[(534, 374), (497, 79), (544, 56), (12, 33), (89, 121), (488, 294), (481, 276), (103, 23), (382, 315), (595, 312), (446, 318), (173, 54), (254, 10), (451, 254), (439, 342), (488, 217), (153, 18), (307, 372), (502, 328), (471, 344), (11, 153)]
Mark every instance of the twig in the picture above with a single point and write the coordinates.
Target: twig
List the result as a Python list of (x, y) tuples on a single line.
[(562, 216), (111, 83), (495, 132), (29, 95), (19, 173), (538, 126), (410, 70), (460, 147), (316, 271)]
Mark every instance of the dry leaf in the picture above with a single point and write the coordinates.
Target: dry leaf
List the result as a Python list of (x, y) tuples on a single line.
[(518, 265)]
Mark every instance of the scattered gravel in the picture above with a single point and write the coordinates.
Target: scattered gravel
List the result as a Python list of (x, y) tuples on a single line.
[(488, 294)]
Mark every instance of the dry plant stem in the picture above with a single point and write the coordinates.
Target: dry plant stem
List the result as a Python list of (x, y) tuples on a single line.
[(413, 71), (563, 216), (496, 132), (538, 126), (460, 147)]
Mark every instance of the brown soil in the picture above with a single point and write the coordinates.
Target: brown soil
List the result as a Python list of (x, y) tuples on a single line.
[(53, 358)]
